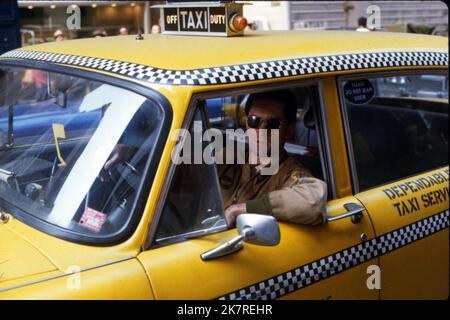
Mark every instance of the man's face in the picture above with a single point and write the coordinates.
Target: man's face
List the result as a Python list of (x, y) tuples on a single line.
[(267, 110)]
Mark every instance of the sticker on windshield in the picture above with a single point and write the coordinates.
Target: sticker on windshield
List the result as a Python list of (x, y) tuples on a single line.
[(92, 219), (359, 91)]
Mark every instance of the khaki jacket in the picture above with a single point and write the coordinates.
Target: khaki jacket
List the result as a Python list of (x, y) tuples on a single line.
[(291, 195)]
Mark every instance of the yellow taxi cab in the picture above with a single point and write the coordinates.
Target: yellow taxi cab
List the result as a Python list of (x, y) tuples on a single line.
[(372, 123)]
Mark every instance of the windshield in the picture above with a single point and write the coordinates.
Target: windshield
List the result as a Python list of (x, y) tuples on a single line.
[(73, 152)]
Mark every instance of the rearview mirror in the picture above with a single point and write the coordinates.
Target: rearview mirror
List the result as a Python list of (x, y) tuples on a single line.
[(61, 99), (57, 87)]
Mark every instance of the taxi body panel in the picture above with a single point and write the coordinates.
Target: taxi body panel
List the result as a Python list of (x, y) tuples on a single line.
[(15, 265), (119, 281), (133, 270), (424, 263), (175, 269)]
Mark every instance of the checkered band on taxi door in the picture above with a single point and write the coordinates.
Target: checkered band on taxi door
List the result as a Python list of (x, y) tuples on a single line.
[(242, 72), (328, 266)]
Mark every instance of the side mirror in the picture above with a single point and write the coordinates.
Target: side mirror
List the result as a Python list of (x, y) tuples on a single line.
[(253, 228), (258, 229)]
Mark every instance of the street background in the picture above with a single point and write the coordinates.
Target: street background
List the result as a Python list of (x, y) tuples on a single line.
[(38, 20)]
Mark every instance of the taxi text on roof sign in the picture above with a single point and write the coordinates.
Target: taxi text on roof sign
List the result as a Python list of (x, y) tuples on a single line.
[(202, 18)]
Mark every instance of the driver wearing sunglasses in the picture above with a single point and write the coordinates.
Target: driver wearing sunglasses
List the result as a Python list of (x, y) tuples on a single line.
[(292, 194)]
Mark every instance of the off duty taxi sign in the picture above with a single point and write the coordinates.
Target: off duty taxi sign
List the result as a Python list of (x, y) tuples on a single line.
[(209, 19)]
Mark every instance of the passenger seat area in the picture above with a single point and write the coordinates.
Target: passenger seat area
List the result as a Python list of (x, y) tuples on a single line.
[(392, 140)]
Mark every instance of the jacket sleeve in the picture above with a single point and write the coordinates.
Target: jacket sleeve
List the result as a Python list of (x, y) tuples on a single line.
[(301, 200)]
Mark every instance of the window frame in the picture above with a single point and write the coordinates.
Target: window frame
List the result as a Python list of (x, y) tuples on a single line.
[(322, 136), (346, 122), (152, 164), (199, 106)]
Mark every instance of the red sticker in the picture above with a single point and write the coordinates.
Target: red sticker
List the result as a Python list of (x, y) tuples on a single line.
[(92, 219)]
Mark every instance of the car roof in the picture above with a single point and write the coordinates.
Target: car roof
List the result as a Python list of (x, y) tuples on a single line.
[(175, 52)]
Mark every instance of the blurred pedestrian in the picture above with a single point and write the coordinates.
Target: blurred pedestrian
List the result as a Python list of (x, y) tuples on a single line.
[(156, 29), (123, 31), (59, 35), (362, 25), (34, 84), (99, 33)]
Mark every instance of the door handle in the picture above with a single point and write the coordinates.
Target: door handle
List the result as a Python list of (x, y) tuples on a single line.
[(353, 210)]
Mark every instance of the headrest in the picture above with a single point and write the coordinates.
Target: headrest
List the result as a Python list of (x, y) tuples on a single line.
[(308, 114)]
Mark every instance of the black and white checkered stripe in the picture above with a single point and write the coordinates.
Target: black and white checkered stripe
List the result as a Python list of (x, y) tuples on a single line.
[(242, 72), (328, 266)]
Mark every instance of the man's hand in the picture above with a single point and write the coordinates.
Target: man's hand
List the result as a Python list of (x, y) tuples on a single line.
[(232, 212), (119, 154)]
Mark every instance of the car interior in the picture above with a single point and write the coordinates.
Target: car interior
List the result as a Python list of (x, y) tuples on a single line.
[(411, 130)]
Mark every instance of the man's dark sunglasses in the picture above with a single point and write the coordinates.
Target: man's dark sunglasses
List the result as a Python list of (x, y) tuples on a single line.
[(254, 122)]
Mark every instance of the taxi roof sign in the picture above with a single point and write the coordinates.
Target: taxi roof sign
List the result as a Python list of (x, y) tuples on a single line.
[(202, 18)]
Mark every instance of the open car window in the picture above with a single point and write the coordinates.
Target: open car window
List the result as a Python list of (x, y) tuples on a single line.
[(73, 152), (194, 203)]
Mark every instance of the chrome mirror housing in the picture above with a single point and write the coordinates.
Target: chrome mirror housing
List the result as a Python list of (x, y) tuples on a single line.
[(253, 228), (258, 229)]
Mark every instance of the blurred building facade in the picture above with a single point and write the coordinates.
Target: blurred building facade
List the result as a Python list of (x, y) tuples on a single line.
[(9, 26), (39, 19), (394, 15)]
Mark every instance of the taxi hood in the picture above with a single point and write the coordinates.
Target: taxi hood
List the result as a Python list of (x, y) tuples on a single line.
[(19, 258)]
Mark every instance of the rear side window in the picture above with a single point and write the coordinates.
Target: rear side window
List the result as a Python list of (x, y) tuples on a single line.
[(397, 126)]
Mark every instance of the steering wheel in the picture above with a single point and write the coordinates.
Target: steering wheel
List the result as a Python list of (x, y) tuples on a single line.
[(124, 180)]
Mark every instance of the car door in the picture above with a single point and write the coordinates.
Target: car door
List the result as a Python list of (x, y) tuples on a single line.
[(329, 261), (398, 145)]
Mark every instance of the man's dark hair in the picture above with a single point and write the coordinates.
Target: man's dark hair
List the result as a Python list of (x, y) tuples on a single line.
[(285, 96), (362, 21)]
